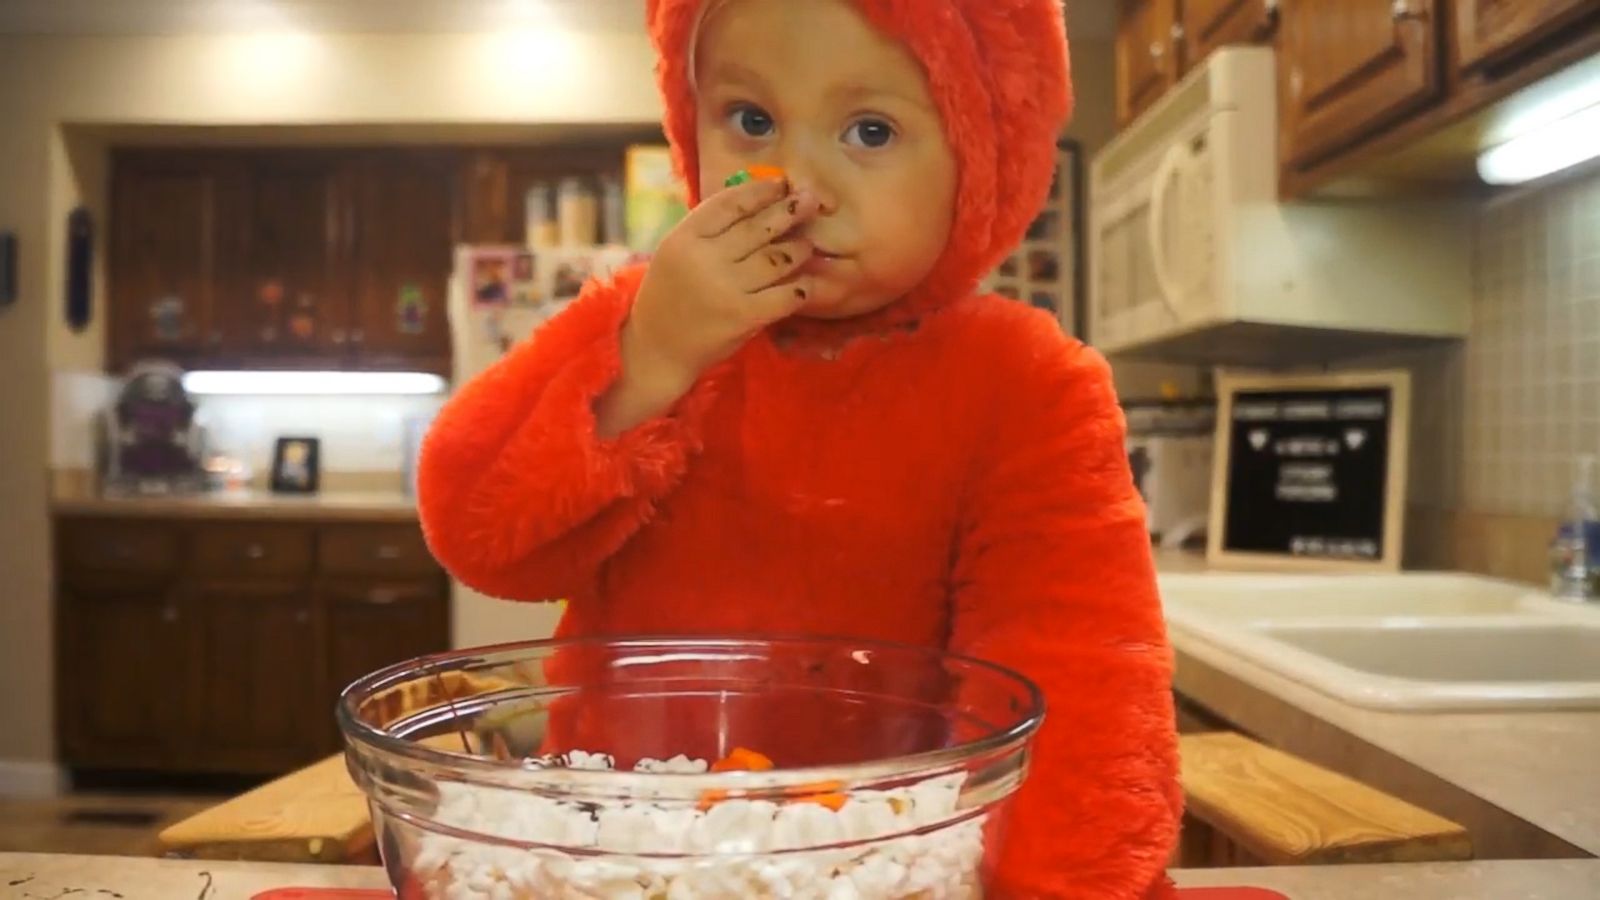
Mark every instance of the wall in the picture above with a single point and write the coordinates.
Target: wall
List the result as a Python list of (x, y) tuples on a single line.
[(1532, 364), (1501, 418), (55, 92), (359, 434)]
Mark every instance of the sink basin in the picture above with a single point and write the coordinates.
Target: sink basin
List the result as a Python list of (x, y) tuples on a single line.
[(1451, 653), (1287, 597), (1418, 642)]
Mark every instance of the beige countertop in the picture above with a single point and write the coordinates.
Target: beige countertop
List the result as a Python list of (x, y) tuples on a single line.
[(366, 506), (27, 876), (1542, 767)]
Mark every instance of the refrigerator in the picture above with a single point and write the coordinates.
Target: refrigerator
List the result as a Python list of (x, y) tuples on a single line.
[(499, 296)]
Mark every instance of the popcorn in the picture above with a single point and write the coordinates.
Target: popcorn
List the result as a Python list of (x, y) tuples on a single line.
[(736, 849)]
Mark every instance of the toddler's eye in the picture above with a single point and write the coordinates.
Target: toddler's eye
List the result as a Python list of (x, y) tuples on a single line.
[(751, 121), (869, 133)]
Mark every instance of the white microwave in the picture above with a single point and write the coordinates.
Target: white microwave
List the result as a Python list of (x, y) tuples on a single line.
[(1193, 258)]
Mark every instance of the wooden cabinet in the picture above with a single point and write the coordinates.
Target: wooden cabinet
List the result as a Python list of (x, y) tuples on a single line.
[(1490, 32), (197, 646), (1209, 24), (404, 237), (1147, 55), (122, 672), (163, 257), (256, 659), (304, 259), (285, 294), (373, 623), (1348, 67)]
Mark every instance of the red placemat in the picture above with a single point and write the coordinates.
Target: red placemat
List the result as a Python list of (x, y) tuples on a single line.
[(294, 893), (344, 894)]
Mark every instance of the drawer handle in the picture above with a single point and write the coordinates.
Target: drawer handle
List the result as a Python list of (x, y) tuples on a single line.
[(387, 552), (302, 618), (383, 597), (169, 614), (119, 551), (255, 551)]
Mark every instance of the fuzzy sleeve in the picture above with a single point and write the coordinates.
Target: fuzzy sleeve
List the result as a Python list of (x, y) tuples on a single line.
[(1054, 578), (519, 498)]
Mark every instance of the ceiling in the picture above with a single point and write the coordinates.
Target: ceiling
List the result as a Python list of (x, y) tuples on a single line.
[(323, 16), (1093, 19)]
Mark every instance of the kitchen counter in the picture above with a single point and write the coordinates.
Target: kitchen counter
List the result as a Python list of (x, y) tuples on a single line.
[(1542, 767), (26, 876), (255, 505)]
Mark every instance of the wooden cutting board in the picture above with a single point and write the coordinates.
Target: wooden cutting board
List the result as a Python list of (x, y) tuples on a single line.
[(314, 815)]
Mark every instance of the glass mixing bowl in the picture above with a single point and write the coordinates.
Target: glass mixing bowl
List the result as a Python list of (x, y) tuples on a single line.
[(556, 769)]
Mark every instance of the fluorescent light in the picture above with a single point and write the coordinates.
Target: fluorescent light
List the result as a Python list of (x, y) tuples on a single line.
[(1544, 150), (312, 383)]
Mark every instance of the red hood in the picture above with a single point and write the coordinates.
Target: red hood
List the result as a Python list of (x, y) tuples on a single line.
[(999, 74)]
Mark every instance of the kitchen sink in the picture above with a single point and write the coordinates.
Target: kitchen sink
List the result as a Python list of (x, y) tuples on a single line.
[(1419, 642), (1272, 598), (1451, 653)]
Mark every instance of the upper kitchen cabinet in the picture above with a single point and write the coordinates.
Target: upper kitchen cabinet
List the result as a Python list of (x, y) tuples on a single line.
[(1491, 32), (285, 296), (1209, 24), (164, 257), (1348, 67), (284, 258), (1402, 96), (404, 230), (1148, 62)]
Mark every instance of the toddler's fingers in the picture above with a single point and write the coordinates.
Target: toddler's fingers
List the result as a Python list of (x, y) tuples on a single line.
[(750, 236), (772, 264), (721, 211), (782, 300)]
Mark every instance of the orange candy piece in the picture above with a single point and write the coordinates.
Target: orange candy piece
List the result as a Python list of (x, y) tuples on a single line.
[(766, 173), (742, 760), (826, 794)]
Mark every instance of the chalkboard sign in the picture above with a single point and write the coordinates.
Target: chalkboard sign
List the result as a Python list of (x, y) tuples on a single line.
[(1310, 471)]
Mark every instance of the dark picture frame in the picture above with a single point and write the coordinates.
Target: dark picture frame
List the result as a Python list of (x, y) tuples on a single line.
[(297, 465)]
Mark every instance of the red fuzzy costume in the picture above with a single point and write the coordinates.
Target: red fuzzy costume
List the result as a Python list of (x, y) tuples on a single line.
[(949, 471)]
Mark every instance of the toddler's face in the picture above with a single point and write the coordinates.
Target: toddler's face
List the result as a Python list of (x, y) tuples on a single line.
[(846, 112)]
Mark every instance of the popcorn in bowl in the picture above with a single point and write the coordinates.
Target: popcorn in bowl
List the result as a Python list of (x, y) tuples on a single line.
[(877, 844), (600, 769)]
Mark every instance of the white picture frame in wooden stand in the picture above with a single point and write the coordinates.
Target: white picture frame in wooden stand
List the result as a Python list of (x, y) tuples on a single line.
[(1221, 554)]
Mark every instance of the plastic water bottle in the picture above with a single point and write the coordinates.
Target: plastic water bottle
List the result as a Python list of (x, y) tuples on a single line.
[(1575, 552)]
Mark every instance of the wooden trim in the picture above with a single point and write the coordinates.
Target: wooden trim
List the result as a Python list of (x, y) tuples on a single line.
[(1286, 811), (1229, 384)]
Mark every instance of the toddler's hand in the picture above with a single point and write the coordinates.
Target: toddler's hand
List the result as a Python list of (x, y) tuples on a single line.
[(725, 272)]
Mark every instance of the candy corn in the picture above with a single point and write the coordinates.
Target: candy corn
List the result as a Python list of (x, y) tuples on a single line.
[(754, 173)]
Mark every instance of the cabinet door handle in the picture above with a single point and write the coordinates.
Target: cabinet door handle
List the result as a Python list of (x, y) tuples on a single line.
[(387, 552), (215, 338), (120, 551), (1156, 50), (357, 336), (338, 336), (383, 596), (255, 551), (169, 615), (302, 617)]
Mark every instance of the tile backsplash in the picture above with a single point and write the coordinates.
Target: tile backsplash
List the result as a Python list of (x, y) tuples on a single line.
[(358, 433), (1530, 369)]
